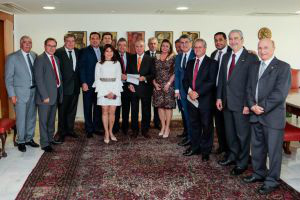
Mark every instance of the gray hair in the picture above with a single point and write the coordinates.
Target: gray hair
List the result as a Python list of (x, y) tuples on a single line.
[(152, 38), (237, 31), (202, 41), (24, 37)]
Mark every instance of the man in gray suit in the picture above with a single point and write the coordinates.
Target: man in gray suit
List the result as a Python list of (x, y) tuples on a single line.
[(20, 85), (231, 95), (49, 92), (268, 86)]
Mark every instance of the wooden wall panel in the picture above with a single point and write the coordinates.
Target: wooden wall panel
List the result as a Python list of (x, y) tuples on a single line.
[(7, 35)]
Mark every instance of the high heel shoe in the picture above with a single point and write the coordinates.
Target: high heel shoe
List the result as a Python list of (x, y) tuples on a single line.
[(106, 141), (113, 138), (161, 134), (166, 135)]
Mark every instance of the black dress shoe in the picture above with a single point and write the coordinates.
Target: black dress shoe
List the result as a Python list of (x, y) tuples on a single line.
[(32, 143), (184, 143), (125, 131), (252, 179), (226, 162), (266, 189), (145, 134), (73, 135), (89, 135), (237, 171), (205, 157), (191, 153), (47, 149), (22, 147), (56, 142)]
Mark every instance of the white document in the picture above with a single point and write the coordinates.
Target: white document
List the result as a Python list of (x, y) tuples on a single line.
[(194, 102), (133, 78)]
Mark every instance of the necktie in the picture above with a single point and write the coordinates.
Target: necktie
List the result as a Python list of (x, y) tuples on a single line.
[(184, 61), (55, 71), (232, 65), (262, 68), (219, 56), (139, 63), (152, 54), (196, 69), (123, 64), (98, 54), (31, 69), (71, 59)]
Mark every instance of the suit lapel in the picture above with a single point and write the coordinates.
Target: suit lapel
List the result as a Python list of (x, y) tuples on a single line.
[(93, 53), (269, 69), (22, 60), (238, 64), (142, 63)]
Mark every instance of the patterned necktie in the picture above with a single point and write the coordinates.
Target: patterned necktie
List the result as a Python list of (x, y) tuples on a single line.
[(139, 63), (71, 59), (196, 69), (123, 64), (31, 69), (55, 71), (232, 65), (184, 62)]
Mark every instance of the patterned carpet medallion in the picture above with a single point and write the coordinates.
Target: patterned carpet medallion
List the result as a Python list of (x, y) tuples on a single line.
[(135, 169)]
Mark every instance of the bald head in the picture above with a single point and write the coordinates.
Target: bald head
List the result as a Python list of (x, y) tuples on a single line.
[(266, 48)]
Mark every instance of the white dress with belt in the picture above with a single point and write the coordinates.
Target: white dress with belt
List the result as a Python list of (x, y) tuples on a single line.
[(108, 79)]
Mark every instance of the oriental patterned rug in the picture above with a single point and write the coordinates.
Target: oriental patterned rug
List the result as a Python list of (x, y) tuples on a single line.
[(135, 169)]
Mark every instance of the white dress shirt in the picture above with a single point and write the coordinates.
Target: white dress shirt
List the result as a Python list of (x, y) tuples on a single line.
[(200, 62), (28, 67), (237, 56), (222, 51)]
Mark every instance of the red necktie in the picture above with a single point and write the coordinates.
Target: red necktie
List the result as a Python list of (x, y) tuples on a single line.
[(123, 64), (232, 65), (196, 69), (55, 71)]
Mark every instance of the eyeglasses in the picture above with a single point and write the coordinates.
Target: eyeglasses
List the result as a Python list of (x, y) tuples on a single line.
[(51, 46)]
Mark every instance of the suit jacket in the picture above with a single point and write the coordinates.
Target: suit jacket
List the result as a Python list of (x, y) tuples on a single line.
[(213, 54), (179, 73), (205, 81), (146, 69), (273, 88), (70, 77), (232, 92), (128, 57), (87, 64), (46, 80), (17, 76), (148, 52)]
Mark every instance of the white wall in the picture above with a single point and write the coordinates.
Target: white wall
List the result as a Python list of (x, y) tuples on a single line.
[(285, 30)]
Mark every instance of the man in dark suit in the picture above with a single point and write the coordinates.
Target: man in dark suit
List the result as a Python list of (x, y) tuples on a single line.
[(268, 86), (142, 65), (181, 95), (178, 46), (124, 59), (231, 95), (87, 62), (49, 92), (152, 44), (199, 83), (68, 58), (222, 48)]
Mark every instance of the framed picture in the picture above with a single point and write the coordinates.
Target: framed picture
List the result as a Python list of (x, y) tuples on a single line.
[(132, 37), (161, 35), (114, 37), (193, 34), (80, 38)]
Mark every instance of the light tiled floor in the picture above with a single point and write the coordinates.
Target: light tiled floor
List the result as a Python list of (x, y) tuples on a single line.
[(15, 168)]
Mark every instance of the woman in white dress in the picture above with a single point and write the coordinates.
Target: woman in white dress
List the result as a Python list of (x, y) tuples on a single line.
[(108, 86)]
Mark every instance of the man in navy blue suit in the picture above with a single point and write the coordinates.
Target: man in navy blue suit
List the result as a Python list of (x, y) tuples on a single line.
[(88, 58), (180, 67)]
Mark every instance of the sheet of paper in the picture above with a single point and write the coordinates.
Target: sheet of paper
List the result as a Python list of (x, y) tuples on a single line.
[(194, 102), (133, 78)]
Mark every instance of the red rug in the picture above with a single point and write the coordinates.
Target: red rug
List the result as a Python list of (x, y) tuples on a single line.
[(135, 169)]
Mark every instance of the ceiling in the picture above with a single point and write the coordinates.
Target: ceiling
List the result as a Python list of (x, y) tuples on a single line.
[(202, 7)]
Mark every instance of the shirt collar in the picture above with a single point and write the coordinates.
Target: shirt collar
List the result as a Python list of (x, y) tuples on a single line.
[(67, 50), (137, 55), (201, 58), (188, 53), (237, 54), (224, 50), (24, 53)]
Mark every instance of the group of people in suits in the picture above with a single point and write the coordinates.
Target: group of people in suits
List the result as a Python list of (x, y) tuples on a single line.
[(243, 95)]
